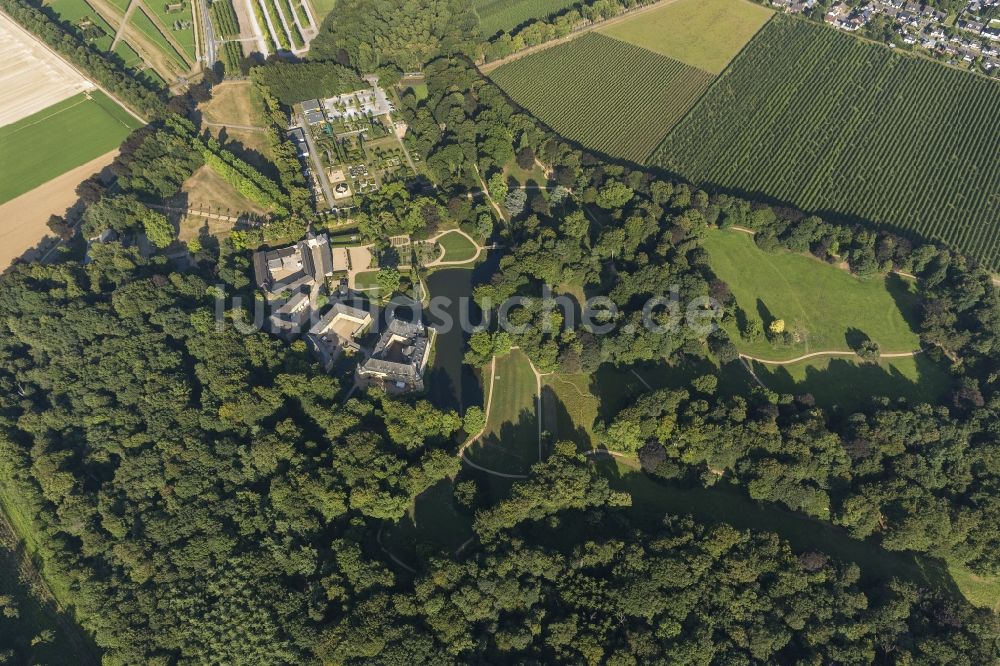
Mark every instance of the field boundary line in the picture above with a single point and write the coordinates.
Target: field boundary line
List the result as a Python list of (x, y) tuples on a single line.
[(704, 93), (53, 114), (494, 65)]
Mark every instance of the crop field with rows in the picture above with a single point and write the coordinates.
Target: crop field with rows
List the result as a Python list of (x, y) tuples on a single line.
[(830, 123), (613, 97), (224, 19), (505, 15)]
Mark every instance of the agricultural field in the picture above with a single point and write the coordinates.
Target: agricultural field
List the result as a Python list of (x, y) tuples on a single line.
[(510, 443), (613, 97), (224, 19), (706, 34), (833, 124), (505, 15), (60, 138), (824, 307), (33, 78)]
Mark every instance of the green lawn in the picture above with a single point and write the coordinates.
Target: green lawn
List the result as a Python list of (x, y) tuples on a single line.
[(510, 443), (569, 408), (322, 9), (706, 34), (827, 308), (849, 384), (456, 247), (979, 590), (366, 281), (75, 11), (180, 19), (524, 176), (651, 500), (127, 54), (60, 138), (419, 91), (148, 28)]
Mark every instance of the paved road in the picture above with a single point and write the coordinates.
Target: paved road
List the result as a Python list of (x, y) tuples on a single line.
[(318, 171), (210, 48)]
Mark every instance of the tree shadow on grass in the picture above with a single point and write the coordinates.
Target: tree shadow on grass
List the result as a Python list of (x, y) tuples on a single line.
[(511, 451), (855, 337), (906, 299), (764, 313), (560, 425), (845, 386)]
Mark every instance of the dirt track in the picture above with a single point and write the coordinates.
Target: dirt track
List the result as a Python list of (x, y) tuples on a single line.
[(22, 220)]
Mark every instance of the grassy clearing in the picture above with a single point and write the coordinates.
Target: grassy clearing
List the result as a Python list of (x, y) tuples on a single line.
[(983, 591), (825, 307), (60, 138), (706, 34), (815, 117), (420, 91), (456, 247), (36, 598), (232, 103), (35, 618), (606, 94), (849, 385), (208, 189), (510, 443), (535, 175), (651, 500), (434, 520)]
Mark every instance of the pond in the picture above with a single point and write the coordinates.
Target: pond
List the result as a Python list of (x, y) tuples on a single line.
[(450, 383)]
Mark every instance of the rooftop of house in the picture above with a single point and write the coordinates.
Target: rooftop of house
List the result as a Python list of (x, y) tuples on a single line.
[(290, 268), (336, 330), (401, 353)]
